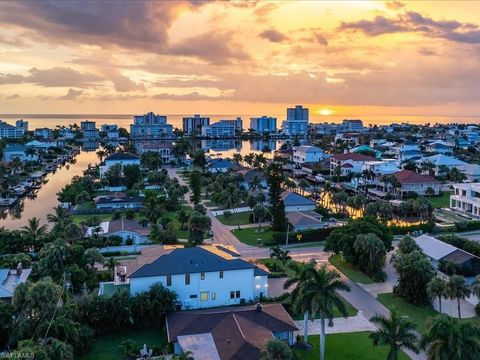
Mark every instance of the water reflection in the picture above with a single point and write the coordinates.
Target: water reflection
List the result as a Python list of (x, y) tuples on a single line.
[(41, 202)]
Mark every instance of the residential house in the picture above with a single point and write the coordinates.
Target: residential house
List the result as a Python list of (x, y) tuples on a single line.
[(471, 171), (118, 202), (43, 144), (249, 175), (307, 153), (381, 167), (439, 147), (466, 198), (89, 130), (124, 228), (43, 133), (221, 165), (411, 181), (8, 131), (348, 163), (10, 279), (164, 149), (13, 151), (296, 202), (118, 158), (111, 131), (240, 333), (203, 277), (305, 220), (440, 163)]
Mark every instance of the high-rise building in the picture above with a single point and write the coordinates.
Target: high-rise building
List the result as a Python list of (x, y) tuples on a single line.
[(10, 131), (297, 121), (264, 124), (150, 124), (194, 124), (223, 128), (353, 125), (89, 130)]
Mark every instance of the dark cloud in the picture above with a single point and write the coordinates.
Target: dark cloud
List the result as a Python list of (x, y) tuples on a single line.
[(54, 77), (415, 22), (321, 39), (273, 36), (72, 94), (216, 47)]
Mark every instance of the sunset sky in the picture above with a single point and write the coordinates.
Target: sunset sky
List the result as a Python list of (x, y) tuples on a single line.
[(352, 58)]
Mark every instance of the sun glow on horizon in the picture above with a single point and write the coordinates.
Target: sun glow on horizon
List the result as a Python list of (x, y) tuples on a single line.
[(325, 112)]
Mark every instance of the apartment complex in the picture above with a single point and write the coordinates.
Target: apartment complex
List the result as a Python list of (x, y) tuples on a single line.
[(150, 125), (296, 122), (223, 128), (264, 124), (194, 124), (8, 131)]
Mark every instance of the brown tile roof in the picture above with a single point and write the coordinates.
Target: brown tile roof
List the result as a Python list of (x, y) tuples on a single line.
[(354, 157), (240, 333), (412, 177), (127, 225)]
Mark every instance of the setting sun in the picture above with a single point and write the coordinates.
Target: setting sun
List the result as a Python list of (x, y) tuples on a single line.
[(325, 112)]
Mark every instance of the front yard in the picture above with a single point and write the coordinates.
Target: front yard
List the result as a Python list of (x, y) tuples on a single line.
[(241, 218), (249, 236), (349, 271), (109, 347), (440, 201), (347, 346)]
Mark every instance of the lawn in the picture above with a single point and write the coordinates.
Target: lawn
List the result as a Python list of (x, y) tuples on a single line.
[(440, 201), (347, 346), (249, 236), (108, 347), (77, 219), (418, 314), (349, 271), (242, 218)]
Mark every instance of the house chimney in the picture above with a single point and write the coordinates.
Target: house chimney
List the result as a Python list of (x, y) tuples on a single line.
[(258, 307), (19, 269)]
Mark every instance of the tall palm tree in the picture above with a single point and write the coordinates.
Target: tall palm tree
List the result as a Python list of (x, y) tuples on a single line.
[(476, 286), (398, 332), (60, 215), (457, 288), (34, 231), (320, 290), (301, 273), (436, 288), (451, 339)]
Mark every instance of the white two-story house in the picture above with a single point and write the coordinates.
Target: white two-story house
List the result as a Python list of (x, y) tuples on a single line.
[(119, 158), (348, 163), (466, 198), (307, 154), (202, 278)]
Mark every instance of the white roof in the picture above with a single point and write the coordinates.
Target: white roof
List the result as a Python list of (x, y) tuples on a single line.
[(434, 248), (441, 159), (201, 346), (307, 148), (469, 169)]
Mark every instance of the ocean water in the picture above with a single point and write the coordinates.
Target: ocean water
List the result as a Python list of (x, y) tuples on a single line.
[(124, 120)]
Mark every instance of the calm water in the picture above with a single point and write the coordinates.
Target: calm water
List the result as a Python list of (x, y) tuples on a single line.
[(124, 120), (46, 198)]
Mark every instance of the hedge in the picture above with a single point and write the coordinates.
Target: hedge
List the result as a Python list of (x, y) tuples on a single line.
[(468, 225), (464, 244), (403, 230), (307, 236)]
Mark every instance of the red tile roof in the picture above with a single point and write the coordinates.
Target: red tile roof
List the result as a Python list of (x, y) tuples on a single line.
[(412, 177), (354, 157)]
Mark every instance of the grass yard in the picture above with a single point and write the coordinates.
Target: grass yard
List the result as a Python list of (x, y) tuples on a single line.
[(347, 346), (108, 347), (349, 271), (440, 201), (249, 236), (77, 219), (242, 218), (418, 314)]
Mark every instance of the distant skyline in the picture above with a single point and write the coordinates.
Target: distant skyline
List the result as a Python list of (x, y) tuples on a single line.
[(339, 58)]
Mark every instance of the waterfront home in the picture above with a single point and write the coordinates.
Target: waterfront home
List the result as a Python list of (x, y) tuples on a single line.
[(409, 155), (120, 159), (13, 151), (305, 220), (110, 130), (348, 163), (67, 133), (43, 144), (89, 130), (253, 176), (440, 163), (411, 181), (164, 149), (466, 199), (43, 133), (240, 333), (8, 131), (118, 201), (296, 202), (220, 165), (307, 153), (202, 277), (381, 167), (439, 147), (127, 229), (10, 279), (438, 251)]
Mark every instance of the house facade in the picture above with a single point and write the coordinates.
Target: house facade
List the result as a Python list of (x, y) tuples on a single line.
[(466, 199), (203, 278), (296, 202), (349, 163), (306, 153), (122, 159), (411, 181)]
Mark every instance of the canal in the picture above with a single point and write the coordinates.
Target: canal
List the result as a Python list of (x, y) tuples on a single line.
[(46, 197)]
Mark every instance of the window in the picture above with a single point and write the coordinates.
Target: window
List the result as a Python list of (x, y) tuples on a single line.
[(213, 296), (204, 296), (187, 279), (202, 276), (193, 296), (237, 294), (221, 274), (232, 294), (169, 280)]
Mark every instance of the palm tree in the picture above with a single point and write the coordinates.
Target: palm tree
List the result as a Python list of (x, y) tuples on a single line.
[(301, 273), (451, 339), (33, 231), (101, 154), (436, 288), (457, 288), (476, 286), (110, 264), (398, 332), (320, 290), (60, 215)]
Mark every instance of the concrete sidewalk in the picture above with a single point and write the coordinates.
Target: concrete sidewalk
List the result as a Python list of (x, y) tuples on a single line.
[(340, 325)]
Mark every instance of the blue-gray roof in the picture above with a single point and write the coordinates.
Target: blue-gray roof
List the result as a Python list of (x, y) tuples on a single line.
[(221, 163), (14, 148), (293, 199), (122, 156), (190, 260)]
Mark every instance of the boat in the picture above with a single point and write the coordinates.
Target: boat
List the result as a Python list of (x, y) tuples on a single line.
[(8, 201)]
